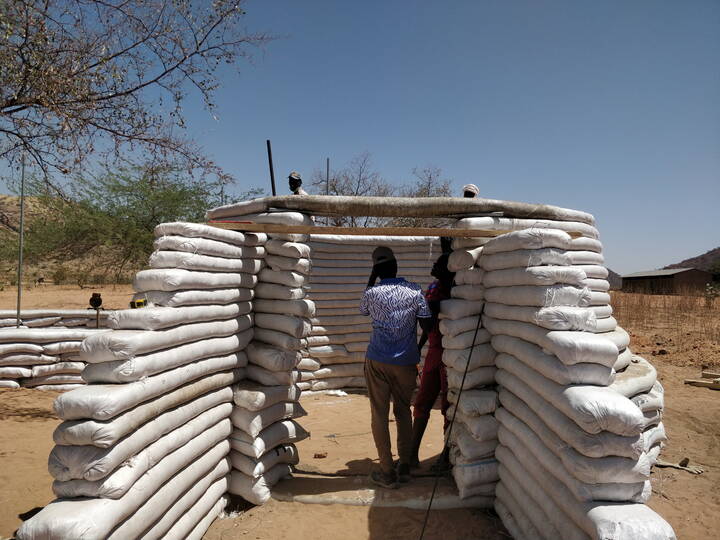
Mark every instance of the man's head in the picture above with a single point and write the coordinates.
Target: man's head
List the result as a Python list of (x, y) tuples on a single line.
[(384, 262), (470, 191), (295, 181), (440, 269)]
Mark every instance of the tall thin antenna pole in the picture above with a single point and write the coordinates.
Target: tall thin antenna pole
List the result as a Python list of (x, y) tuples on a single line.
[(21, 243), (327, 176), (272, 170)]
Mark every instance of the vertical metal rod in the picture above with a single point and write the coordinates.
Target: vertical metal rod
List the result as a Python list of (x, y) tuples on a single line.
[(21, 243), (272, 170), (327, 176)]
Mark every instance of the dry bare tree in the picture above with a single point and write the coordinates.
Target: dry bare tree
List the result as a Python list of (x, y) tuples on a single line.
[(428, 182), (85, 80)]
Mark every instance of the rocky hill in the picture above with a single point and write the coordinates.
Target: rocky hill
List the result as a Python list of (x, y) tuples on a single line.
[(709, 261)]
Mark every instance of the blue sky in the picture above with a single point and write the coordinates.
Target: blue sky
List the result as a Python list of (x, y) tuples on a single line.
[(610, 107)]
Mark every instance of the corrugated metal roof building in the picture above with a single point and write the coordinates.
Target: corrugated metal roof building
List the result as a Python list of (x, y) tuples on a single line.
[(669, 281)]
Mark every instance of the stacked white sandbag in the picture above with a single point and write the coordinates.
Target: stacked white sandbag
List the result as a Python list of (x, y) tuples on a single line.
[(341, 266), (468, 355), (42, 358), (51, 318), (267, 401), (143, 448), (575, 451)]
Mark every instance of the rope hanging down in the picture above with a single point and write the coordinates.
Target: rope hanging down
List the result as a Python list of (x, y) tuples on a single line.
[(452, 422)]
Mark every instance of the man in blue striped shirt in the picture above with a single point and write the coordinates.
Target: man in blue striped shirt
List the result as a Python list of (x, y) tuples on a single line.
[(395, 306)]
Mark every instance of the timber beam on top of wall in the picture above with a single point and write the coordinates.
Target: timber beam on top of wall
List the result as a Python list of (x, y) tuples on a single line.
[(236, 225), (320, 205)]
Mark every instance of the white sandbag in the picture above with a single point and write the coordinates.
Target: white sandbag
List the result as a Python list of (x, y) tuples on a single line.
[(255, 397), (318, 330), (9, 384), (308, 364), (469, 276), (355, 369), (593, 408), (198, 230), (226, 351), (338, 339), (513, 224), (327, 298), (482, 355), (453, 327), (336, 383), (456, 308), (92, 462), (527, 516), (477, 377), (203, 263), (539, 257), (103, 401), (25, 360), (549, 366), (57, 387), (540, 238), (15, 372), (463, 259), (277, 218), (257, 490), (469, 474), (278, 262), (253, 422), (41, 323), (306, 376), (343, 320), (469, 242), (272, 291), (205, 246), (271, 358), (61, 378), (541, 296), (652, 400), (619, 337), (299, 308), (639, 377), (466, 339), (287, 278), (194, 298), (175, 279), (294, 326), (607, 324), (624, 358), (535, 434), (481, 428), (552, 318), (429, 242), (591, 445), (471, 448), (279, 339), (192, 505), (17, 348), (511, 519), (286, 453), (96, 518), (468, 292), (597, 284), (283, 432), (570, 347), (343, 359), (85, 321), (157, 318), (62, 347), (126, 344), (271, 378), (46, 335), (342, 288), (213, 425), (167, 494), (536, 275), (292, 250), (360, 347), (474, 402)]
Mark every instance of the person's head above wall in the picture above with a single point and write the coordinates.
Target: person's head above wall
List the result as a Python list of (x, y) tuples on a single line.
[(294, 180), (384, 262), (470, 191)]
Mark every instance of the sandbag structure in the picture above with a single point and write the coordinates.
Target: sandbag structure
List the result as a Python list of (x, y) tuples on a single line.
[(44, 357), (555, 422)]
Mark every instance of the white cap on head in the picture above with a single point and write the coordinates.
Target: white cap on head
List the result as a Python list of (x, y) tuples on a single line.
[(471, 188)]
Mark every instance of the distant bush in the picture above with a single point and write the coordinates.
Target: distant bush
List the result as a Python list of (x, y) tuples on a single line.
[(60, 276), (99, 279)]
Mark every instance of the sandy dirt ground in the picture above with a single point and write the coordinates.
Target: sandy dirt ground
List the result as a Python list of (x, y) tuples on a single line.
[(66, 296), (341, 435)]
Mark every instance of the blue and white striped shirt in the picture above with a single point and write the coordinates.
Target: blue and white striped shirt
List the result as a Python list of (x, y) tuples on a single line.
[(394, 306)]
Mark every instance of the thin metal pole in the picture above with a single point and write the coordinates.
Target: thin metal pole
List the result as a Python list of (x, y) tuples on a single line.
[(21, 244), (272, 171), (327, 176)]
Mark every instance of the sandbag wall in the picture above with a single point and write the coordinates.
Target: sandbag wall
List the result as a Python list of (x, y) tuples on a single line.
[(53, 318), (341, 266), (42, 358), (579, 415), (266, 404), (469, 360), (143, 449)]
